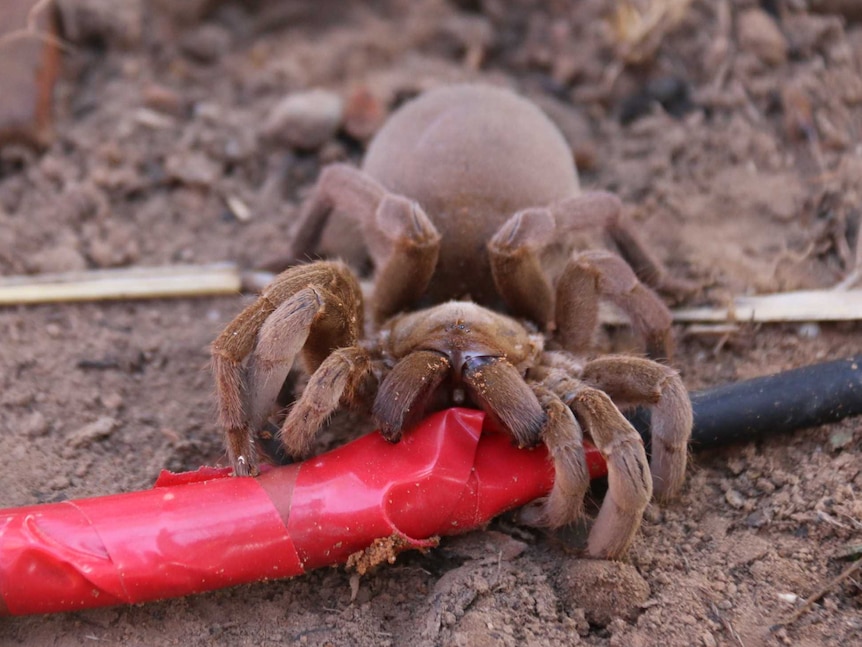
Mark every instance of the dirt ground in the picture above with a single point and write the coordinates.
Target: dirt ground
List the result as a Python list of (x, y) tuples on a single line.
[(733, 139)]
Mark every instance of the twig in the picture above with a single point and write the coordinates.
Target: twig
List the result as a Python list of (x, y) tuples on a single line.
[(799, 306), (826, 588), (129, 283)]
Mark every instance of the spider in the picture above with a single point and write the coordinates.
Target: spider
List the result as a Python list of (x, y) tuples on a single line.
[(468, 202)]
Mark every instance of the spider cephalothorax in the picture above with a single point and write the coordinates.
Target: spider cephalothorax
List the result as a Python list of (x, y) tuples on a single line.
[(469, 193)]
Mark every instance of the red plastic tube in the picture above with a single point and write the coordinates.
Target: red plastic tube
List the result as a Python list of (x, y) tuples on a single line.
[(201, 531)]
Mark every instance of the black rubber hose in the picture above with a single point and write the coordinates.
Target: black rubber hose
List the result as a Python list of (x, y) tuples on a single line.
[(803, 397)]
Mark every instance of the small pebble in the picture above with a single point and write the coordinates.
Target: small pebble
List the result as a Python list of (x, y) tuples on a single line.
[(101, 428), (35, 425), (759, 518), (765, 485), (734, 498), (736, 466), (111, 400), (60, 482), (305, 120), (809, 331), (163, 99), (789, 598), (206, 44), (192, 168), (62, 258), (760, 35), (840, 439)]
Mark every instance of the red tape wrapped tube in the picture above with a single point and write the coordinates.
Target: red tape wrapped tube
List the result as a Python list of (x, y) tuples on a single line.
[(201, 531)]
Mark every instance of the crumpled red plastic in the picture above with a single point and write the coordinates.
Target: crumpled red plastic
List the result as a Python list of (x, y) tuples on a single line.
[(202, 530)]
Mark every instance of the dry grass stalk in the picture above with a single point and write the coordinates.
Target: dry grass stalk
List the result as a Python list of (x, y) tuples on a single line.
[(800, 306), (129, 283)]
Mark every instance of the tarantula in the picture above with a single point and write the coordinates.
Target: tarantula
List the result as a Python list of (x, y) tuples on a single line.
[(468, 203)]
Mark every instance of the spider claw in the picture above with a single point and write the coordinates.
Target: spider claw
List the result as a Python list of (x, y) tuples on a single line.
[(391, 434), (241, 467)]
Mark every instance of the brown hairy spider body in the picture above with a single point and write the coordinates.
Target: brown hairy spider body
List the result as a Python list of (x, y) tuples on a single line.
[(468, 203)]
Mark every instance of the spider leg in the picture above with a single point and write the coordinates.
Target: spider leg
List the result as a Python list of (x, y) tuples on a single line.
[(515, 252), (402, 241), (629, 482), (591, 275), (344, 377), (564, 439), (309, 309), (337, 185), (404, 246), (633, 381), (603, 210)]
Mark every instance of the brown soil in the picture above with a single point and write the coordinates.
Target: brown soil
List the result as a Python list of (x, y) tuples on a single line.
[(751, 184)]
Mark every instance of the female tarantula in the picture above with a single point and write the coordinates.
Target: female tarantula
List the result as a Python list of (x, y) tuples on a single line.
[(447, 205)]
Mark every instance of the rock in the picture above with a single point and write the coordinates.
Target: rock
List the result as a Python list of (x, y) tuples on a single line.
[(115, 247), (28, 70), (111, 400), (35, 425), (191, 168), (840, 438), (759, 35), (61, 258), (759, 518), (305, 120), (101, 428), (163, 99), (205, 44), (734, 498), (603, 589)]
